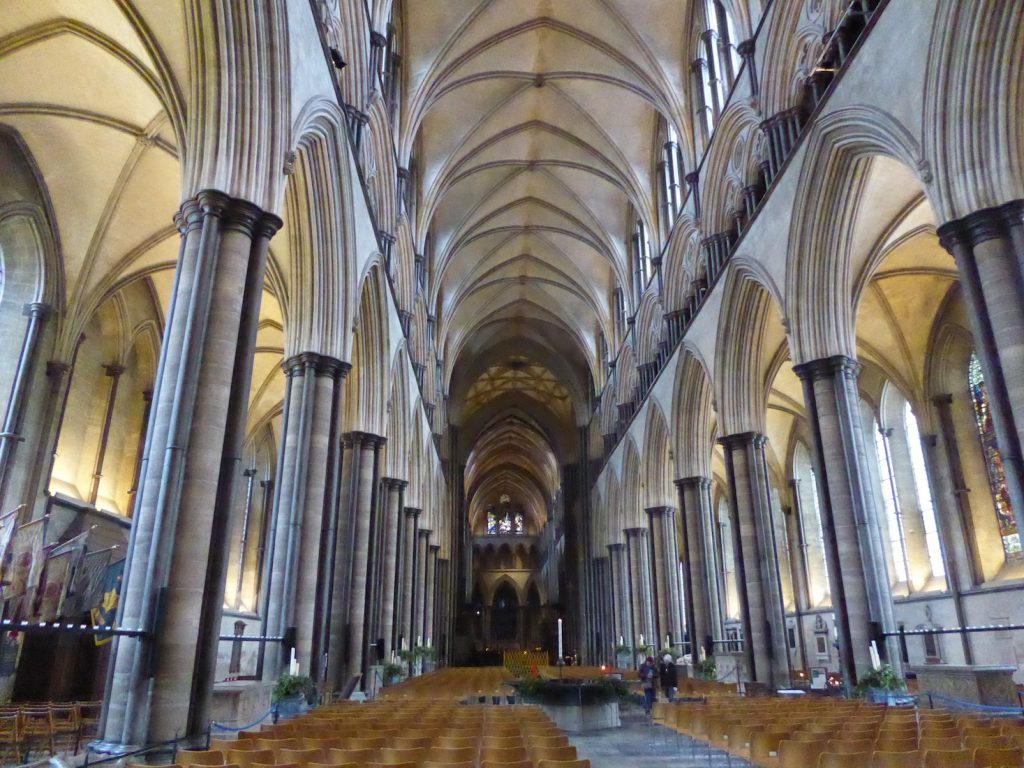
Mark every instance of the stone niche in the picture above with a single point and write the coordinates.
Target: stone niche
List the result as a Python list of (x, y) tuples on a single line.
[(989, 685)]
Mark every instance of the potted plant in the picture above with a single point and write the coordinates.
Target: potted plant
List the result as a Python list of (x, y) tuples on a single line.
[(705, 669), (426, 655), (882, 685), (292, 694), (392, 673), (408, 658)]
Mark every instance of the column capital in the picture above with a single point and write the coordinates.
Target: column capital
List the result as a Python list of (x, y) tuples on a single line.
[(321, 365), (424, 532), (635, 531), (742, 440), (746, 47), (249, 471), (435, 548), (828, 368), (697, 480), (57, 368), (234, 212), (113, 370), (977, 227), (615, 548), (666, 511), (413, 512), (395, 484), (944, 399)]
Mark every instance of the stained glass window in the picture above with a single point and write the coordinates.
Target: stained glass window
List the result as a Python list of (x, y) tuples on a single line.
[(492, 524), (993, 461), (505, 524), (517, 522)]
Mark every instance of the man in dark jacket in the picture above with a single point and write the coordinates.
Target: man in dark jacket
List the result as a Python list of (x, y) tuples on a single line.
[(668, 676)]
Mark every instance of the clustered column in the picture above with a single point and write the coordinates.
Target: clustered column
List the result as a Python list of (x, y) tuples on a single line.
[(305, 512), (162, 682), (622, 615), (855, 554), (422, 589), (409, 562), (701, 568), (757, 565), (665, 556), (390, 611), (638, 555)]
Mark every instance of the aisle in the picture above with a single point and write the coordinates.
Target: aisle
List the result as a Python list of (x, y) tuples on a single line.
[(636, 745)]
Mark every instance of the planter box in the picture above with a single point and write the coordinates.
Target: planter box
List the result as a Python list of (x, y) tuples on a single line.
[(990, 685), (573, 718)]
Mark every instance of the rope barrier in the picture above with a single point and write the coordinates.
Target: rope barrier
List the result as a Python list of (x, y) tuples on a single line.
[(224, 727), (970, 705)]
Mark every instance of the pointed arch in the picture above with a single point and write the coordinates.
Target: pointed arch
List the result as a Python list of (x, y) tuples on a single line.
[(658, 459)]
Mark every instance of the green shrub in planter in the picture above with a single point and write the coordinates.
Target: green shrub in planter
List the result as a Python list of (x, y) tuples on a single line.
[(289, 687), (392, 673), (883, 680), (706, 670)]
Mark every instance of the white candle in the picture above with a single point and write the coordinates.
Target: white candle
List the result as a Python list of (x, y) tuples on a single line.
[(405, 646), (641, 643), (668, 641), (559, 638), (621, 640), (419, 641), (293, 668), (428, 643)]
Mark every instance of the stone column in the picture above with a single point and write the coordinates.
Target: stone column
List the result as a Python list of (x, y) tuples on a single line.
[(358, 609), (659, 584), (408, 586), (757, 565), (430, 594), (622, 617), (420, 594), (113, 372), (162, 683), (389, 610), (665, 556), (988, 246), (854, 552), (37, 315), (638, 556), (304, 510), (348, 498), (701, 593)]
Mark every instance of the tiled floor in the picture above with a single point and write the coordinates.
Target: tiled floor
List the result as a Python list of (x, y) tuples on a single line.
[(637, 745)]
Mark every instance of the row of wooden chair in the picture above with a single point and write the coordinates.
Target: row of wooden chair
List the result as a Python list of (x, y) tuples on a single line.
[(47, 728), (794, 734)]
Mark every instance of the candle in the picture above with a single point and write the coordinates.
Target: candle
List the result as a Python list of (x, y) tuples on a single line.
[(641, 643), (559, 638), (668, 641), (293, 667), (405, 645), (428, 643), (621, 640), (419, 641)]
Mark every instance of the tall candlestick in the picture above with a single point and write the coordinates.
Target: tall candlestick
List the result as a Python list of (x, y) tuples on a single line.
[(641, 643), (560, 639), (622, 640), (668, 641)]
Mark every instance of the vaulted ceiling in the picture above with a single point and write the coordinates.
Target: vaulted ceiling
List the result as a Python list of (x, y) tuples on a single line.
[(534, 128)]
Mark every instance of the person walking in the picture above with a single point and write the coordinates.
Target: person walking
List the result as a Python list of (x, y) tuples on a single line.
[(648, 673), (669, 677)]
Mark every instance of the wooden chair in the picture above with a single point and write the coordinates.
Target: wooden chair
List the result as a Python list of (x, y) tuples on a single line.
[(452, 754), (939, 742), (799, 754), (37, 729), (989, 757), (563, 764), (504, 754), (11, 738), (843, 760), (201, 757), (764, 748), (357, 756), (987, 742), (246, 757), (398, 756), (301, 756), (896, 759), (437, 764), (506, 764), (849, 746), (949, 758), (540, 754)]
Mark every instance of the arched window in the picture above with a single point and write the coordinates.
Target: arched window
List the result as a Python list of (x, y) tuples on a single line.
[(993, 462), (891, 502), (811, 533), (715, 68), (732, 595), (906, 494), (641, 256)]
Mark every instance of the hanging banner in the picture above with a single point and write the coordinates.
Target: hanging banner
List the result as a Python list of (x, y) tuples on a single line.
[(87, 582), (27, 539), (104, 614), (54, 584)]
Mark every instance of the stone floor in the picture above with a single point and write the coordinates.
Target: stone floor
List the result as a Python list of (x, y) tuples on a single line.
[(639, 745)]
